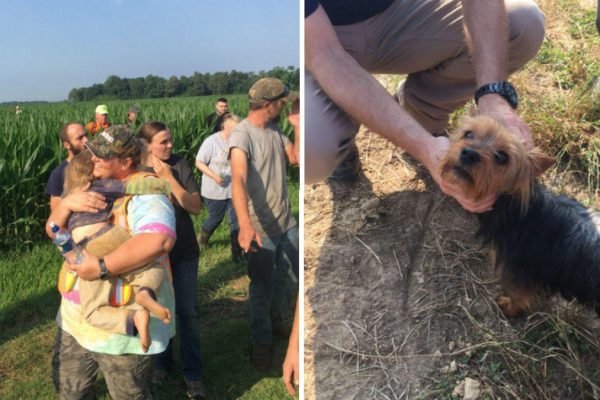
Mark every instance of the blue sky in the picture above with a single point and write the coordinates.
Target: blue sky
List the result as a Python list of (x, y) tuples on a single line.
[(51, 47)]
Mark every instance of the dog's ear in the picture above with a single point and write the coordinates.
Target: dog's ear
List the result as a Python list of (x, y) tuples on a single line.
[(540, 161)]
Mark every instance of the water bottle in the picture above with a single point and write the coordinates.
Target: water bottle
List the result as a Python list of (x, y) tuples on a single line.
[(63, 241)]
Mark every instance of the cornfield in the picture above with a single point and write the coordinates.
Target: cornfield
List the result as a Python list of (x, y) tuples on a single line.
[(30, 148)]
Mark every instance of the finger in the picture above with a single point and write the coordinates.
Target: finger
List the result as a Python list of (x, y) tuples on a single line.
[(258, 240), (288, 384)]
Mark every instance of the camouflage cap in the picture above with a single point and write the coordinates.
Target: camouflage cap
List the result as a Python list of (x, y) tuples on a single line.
[(270, 89), (117, 141), (134, 109)]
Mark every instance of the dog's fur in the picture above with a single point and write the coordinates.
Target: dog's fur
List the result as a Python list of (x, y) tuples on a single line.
[(543, 243)]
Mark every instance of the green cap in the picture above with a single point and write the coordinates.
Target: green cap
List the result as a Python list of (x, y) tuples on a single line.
[(117, 141), (270, 89), (102, 109)]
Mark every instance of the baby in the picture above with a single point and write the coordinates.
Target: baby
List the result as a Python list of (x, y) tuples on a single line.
[(96, 233)]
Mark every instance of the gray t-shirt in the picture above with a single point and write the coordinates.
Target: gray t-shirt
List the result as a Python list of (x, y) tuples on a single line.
[(268, 200), (213, 152)]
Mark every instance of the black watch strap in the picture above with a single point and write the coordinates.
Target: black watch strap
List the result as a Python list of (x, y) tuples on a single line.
[(104, 274), (503, 88)]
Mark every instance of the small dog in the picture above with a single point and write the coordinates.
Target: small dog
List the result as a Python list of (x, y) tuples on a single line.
[(542, 243)]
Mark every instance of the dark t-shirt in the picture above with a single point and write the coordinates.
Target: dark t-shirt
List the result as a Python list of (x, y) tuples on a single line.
[(346, 12), (186, 246), (54, 187), (214, 120)]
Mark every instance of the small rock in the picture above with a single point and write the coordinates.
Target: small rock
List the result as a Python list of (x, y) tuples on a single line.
[(472, 389), (445, 369), (459, 390), (453, 366), (437, 353), (371, 204), (596, 86)]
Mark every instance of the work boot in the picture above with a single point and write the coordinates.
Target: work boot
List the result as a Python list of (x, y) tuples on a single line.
[(195, 389), (236, 250), (349, 169), (203, 239)]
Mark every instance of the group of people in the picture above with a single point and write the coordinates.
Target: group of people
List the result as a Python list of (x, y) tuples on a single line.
[(127, 200)]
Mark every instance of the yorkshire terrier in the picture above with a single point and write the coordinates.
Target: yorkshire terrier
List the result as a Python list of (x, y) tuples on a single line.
[(542, 243)]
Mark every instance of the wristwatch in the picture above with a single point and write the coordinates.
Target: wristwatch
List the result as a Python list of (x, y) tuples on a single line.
[(503, 88), (104, 274)]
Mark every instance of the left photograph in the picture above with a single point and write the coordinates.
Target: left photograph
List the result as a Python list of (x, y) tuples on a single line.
[(150, 191)]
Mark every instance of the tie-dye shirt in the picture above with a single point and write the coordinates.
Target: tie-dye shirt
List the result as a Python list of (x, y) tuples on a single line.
[(151, 213)]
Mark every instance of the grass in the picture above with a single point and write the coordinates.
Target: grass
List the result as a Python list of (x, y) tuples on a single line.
[(30, 300)]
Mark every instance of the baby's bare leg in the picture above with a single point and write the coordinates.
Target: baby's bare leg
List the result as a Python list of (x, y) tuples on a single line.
[(141, 320), (145, 297)]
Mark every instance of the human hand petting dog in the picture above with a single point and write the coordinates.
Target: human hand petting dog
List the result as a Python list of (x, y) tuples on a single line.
[(496, 107), (437, 151)]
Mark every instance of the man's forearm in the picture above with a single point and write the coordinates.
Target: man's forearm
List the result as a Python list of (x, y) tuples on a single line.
[(486, 30), (239, 198), (354, 90)]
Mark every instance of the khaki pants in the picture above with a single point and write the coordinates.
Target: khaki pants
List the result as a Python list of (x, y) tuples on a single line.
[(421, 38), (95, 306)]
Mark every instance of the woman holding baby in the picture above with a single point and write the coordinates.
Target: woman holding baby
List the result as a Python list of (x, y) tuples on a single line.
[(82, 349)]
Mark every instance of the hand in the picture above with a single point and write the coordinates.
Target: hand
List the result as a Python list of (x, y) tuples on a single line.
[(83, 201), (218, 180), (162, 169), (245, 237), (294, 119), (291, 371), (495, 106), (88, 269), (437, 150)]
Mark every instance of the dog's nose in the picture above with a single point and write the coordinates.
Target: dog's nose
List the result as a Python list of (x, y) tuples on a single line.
[(468, 156)]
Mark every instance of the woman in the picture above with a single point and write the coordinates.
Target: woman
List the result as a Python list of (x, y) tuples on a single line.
[(216, 184), (184, 256), (81, 349)]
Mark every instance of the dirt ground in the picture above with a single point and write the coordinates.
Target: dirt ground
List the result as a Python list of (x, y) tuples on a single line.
[(399, 299)]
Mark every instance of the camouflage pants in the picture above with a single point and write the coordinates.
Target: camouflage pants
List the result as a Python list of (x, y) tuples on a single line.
[(74, 371)]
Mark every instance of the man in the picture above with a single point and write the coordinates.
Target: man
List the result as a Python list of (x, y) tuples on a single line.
[(101, 123), (452, 51), (73, 138), (215, 119), (133, 120), (81, 350), (268, 231)]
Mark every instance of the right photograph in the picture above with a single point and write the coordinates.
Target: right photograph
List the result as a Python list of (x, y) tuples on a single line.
[(452, 182)]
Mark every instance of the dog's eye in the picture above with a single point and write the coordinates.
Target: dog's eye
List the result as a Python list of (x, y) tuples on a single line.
[(469, 135), (500, 158)]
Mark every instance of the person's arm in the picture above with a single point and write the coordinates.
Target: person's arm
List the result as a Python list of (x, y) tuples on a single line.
[(54, 200), (209, 172), (81, 201), (135, 252), (189, 201), (293, 153), (151, 220), (354, 90), (239, 197), (291, 369), (487, 34)]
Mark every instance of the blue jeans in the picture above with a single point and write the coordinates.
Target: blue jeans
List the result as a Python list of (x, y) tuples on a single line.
[(273, 272), (216, 212), (185, 276)]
